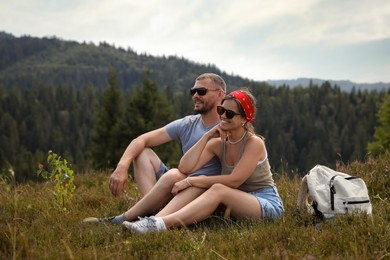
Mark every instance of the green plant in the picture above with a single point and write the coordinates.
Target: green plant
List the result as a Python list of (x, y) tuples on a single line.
[(61, 175), (7, 179)]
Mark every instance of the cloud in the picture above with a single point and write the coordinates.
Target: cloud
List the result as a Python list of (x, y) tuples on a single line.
[(334, 23), (257, 39)]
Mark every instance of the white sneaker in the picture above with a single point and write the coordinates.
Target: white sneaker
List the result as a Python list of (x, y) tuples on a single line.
[(146, 225)]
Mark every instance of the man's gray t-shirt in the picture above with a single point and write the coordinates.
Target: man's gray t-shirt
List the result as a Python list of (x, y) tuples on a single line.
[(188, 130)]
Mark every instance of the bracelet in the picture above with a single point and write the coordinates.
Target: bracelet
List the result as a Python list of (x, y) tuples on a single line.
[(188, 182)]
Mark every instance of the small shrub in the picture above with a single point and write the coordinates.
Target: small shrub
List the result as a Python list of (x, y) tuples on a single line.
[(61, 175)]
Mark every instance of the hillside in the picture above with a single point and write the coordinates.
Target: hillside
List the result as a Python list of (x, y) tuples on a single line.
[(26, 61)]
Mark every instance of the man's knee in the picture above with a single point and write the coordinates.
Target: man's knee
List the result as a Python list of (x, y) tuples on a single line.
[(147, 158), (146, 153)]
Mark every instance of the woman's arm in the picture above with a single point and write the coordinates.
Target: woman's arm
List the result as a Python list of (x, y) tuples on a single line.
[(202, 152), (254, 152)]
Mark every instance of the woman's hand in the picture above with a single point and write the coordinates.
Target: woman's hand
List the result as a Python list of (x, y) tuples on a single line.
[(179, 186), (217, 131)]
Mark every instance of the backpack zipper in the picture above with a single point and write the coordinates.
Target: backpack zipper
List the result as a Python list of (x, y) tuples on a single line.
[(356, 202), (333, 192)]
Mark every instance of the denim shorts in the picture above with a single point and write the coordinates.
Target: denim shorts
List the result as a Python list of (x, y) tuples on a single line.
[(270, 202), (163, 169)]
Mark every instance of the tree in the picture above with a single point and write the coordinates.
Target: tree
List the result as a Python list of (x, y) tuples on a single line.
[(148, 109), (382, 132), (104, 136)]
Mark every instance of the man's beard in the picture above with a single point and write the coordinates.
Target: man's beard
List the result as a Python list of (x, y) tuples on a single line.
[(205, 109)]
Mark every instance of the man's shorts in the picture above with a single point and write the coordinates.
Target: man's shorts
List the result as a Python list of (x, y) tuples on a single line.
[(163, 169)]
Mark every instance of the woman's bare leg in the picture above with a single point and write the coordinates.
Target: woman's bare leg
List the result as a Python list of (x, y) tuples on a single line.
[(157, 197), (180, 200), (240, 203)]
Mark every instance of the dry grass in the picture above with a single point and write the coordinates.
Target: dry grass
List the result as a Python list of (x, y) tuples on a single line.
[(33, 227)]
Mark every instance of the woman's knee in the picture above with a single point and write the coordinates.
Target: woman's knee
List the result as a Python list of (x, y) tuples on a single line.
[(218, 188), (172, 176)]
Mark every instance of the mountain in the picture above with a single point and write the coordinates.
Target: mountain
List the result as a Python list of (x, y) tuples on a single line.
[(27, 61), (345, 85)]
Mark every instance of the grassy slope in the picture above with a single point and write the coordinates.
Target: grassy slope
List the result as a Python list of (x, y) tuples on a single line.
[(32, 226)]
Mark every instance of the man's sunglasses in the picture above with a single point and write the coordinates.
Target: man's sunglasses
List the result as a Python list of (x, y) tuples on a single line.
[(201, 91), (229, 113)]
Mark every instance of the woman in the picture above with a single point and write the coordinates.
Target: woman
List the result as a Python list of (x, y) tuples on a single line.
[(245, 187)]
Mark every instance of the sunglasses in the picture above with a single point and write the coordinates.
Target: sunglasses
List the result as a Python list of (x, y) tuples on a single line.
[(229, 113), (201, 91)]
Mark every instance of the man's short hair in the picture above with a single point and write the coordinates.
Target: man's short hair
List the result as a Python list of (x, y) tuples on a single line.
[(217, 80)]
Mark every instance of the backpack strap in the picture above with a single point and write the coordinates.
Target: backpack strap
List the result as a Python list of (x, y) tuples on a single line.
[(303, 194), (332, 192)]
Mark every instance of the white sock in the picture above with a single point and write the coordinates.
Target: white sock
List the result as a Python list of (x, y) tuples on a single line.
[(160, 223)]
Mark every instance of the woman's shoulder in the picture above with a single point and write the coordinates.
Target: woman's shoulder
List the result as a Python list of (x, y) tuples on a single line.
[(256, 146), (255, 142), (255, 138)]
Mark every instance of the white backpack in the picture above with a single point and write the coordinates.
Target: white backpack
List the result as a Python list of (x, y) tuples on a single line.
[(333, 193)]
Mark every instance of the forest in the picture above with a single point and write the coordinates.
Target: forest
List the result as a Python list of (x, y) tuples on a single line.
[(87, 102)]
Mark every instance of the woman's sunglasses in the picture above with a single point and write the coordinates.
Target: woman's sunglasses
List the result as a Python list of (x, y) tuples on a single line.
[(201, 91), (229, 113)]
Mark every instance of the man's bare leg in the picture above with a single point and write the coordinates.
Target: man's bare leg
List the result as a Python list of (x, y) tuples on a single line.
[(159, 195), (146, 166)]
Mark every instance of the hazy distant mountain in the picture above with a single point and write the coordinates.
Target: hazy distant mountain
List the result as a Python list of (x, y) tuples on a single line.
[(4, 35), (344, 85)]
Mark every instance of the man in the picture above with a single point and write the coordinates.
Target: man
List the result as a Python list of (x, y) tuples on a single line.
[(207, 93)]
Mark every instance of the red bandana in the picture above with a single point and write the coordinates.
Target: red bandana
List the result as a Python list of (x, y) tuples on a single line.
[(246, 104)]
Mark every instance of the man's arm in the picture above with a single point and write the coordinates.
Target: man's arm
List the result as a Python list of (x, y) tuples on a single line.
[(119, 178)]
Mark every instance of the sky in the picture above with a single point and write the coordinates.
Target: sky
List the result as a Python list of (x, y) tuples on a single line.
[(255, 39)]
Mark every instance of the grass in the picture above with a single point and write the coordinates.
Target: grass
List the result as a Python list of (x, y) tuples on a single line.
[(32, 226)]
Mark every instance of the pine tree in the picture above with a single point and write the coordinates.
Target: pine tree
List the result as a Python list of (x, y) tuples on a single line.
[(382, 132), (104, 136), (148, 109)]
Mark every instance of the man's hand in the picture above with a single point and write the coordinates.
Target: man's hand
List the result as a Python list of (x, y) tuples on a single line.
[(118, 181)]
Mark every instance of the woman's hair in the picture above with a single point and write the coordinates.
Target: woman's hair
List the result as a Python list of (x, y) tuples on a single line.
[(248, 125), (217, 80)]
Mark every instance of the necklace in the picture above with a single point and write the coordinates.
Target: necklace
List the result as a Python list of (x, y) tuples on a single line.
[(239, 140)]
